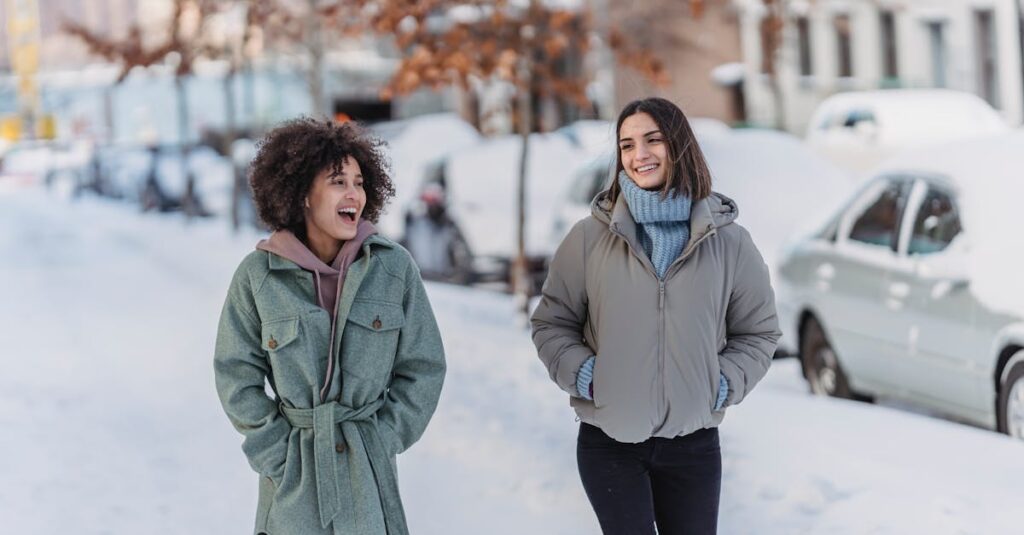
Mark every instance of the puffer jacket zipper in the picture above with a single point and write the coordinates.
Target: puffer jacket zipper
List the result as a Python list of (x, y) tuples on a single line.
[(662, 408)]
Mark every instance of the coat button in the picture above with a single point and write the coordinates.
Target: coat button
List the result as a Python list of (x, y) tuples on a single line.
[(339, 447), (376, 323), (272, 344)]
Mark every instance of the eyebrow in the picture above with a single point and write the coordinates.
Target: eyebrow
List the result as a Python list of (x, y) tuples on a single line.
[(338, 175), (658, 131)]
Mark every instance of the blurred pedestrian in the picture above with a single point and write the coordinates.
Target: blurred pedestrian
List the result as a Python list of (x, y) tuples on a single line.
[(656, 315), (334, 317)]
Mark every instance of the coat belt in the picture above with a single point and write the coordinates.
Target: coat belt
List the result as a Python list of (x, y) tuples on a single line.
[(368, 463)]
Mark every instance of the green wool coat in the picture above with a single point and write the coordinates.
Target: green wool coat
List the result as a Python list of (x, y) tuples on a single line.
[(329, 467)]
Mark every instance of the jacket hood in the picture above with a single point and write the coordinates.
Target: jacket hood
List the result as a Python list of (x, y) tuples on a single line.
[(713, 212)]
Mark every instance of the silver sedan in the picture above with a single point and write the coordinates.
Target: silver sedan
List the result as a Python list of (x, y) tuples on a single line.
[(914, 291)]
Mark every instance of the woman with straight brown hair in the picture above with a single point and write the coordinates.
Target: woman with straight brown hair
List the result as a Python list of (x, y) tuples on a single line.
[(656, 315)]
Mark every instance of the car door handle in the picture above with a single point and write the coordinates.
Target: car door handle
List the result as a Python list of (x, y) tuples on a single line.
[(899, 290), (945, 287)]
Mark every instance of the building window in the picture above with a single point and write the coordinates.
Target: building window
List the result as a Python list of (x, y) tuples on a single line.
[(985, 45), (937, 38), (844, 47), (890, 65), (803, 31)]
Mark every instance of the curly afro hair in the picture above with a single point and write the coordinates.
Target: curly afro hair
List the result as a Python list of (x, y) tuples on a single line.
[(290, 157)]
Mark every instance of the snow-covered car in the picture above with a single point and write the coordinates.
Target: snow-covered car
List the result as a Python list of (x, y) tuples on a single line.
[(859, 129), (479, 195), (913, 289), (417, 146)]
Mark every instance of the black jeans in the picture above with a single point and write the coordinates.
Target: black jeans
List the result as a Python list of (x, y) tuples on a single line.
[(672, 482)]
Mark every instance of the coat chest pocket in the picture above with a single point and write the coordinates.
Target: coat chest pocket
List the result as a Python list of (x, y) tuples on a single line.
[(371, 336), (279, 341), (279, 334)]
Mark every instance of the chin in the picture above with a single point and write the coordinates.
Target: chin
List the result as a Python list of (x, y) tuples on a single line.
[(649, 183)]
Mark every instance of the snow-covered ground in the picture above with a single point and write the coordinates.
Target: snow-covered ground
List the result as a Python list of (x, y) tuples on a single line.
[(111, 423)]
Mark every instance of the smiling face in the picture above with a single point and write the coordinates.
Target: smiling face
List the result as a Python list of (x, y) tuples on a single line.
[(333, 208), (643, 151)]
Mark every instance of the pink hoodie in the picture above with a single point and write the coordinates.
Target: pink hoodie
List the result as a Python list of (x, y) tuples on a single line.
[(328, 280)]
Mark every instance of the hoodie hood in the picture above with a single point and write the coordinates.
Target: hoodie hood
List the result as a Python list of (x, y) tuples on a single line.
[(329, 278)]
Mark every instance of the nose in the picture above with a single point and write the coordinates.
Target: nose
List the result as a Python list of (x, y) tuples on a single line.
[(642, 151)]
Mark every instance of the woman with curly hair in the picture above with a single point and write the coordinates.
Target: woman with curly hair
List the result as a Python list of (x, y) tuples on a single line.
[(334, 317)]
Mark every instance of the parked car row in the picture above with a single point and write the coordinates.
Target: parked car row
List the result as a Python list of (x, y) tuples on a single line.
[(155, 176)]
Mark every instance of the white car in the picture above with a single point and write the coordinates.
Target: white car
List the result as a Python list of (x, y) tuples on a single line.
[(913, 290), (857, 130)]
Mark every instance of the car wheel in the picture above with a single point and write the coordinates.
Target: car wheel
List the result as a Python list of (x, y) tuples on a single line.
[(1011, 401), (820, 364)]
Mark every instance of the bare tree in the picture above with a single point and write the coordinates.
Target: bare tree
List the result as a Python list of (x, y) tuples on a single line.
[(771, 29)]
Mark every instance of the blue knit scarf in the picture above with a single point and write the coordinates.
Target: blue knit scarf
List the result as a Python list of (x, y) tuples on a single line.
[(663, 225)]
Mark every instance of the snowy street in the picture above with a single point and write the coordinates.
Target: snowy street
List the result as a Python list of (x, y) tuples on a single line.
[(112, 424)]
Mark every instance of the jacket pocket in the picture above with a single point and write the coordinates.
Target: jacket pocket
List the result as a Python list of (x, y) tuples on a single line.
[(714, 371), (594, 382), (371, 336), (279, 334)]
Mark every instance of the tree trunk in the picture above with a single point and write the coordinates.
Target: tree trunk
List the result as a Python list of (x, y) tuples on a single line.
[(521, 286), (778, 100), (315, 75), (229, 139), (190, 203)]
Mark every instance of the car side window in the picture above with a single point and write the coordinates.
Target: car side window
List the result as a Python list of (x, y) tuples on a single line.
[(858, 116), (878, 223), (936, 224)]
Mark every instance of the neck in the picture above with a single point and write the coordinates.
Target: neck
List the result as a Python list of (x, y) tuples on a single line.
[(323, 246)]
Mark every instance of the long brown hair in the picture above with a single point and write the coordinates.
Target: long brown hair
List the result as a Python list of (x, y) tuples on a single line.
[(689, 174)]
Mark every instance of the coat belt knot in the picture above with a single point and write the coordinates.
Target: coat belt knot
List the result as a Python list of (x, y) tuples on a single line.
[(366, 456)]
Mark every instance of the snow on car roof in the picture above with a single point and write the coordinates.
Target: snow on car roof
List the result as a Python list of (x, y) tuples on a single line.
[(916, 116), (482, 190), (782, 188), (414, 144)]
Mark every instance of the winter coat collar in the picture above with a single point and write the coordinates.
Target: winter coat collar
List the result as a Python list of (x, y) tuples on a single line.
[(706, 215)]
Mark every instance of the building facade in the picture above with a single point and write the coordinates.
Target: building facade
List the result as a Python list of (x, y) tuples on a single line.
[(690, 47), (829, 46)]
